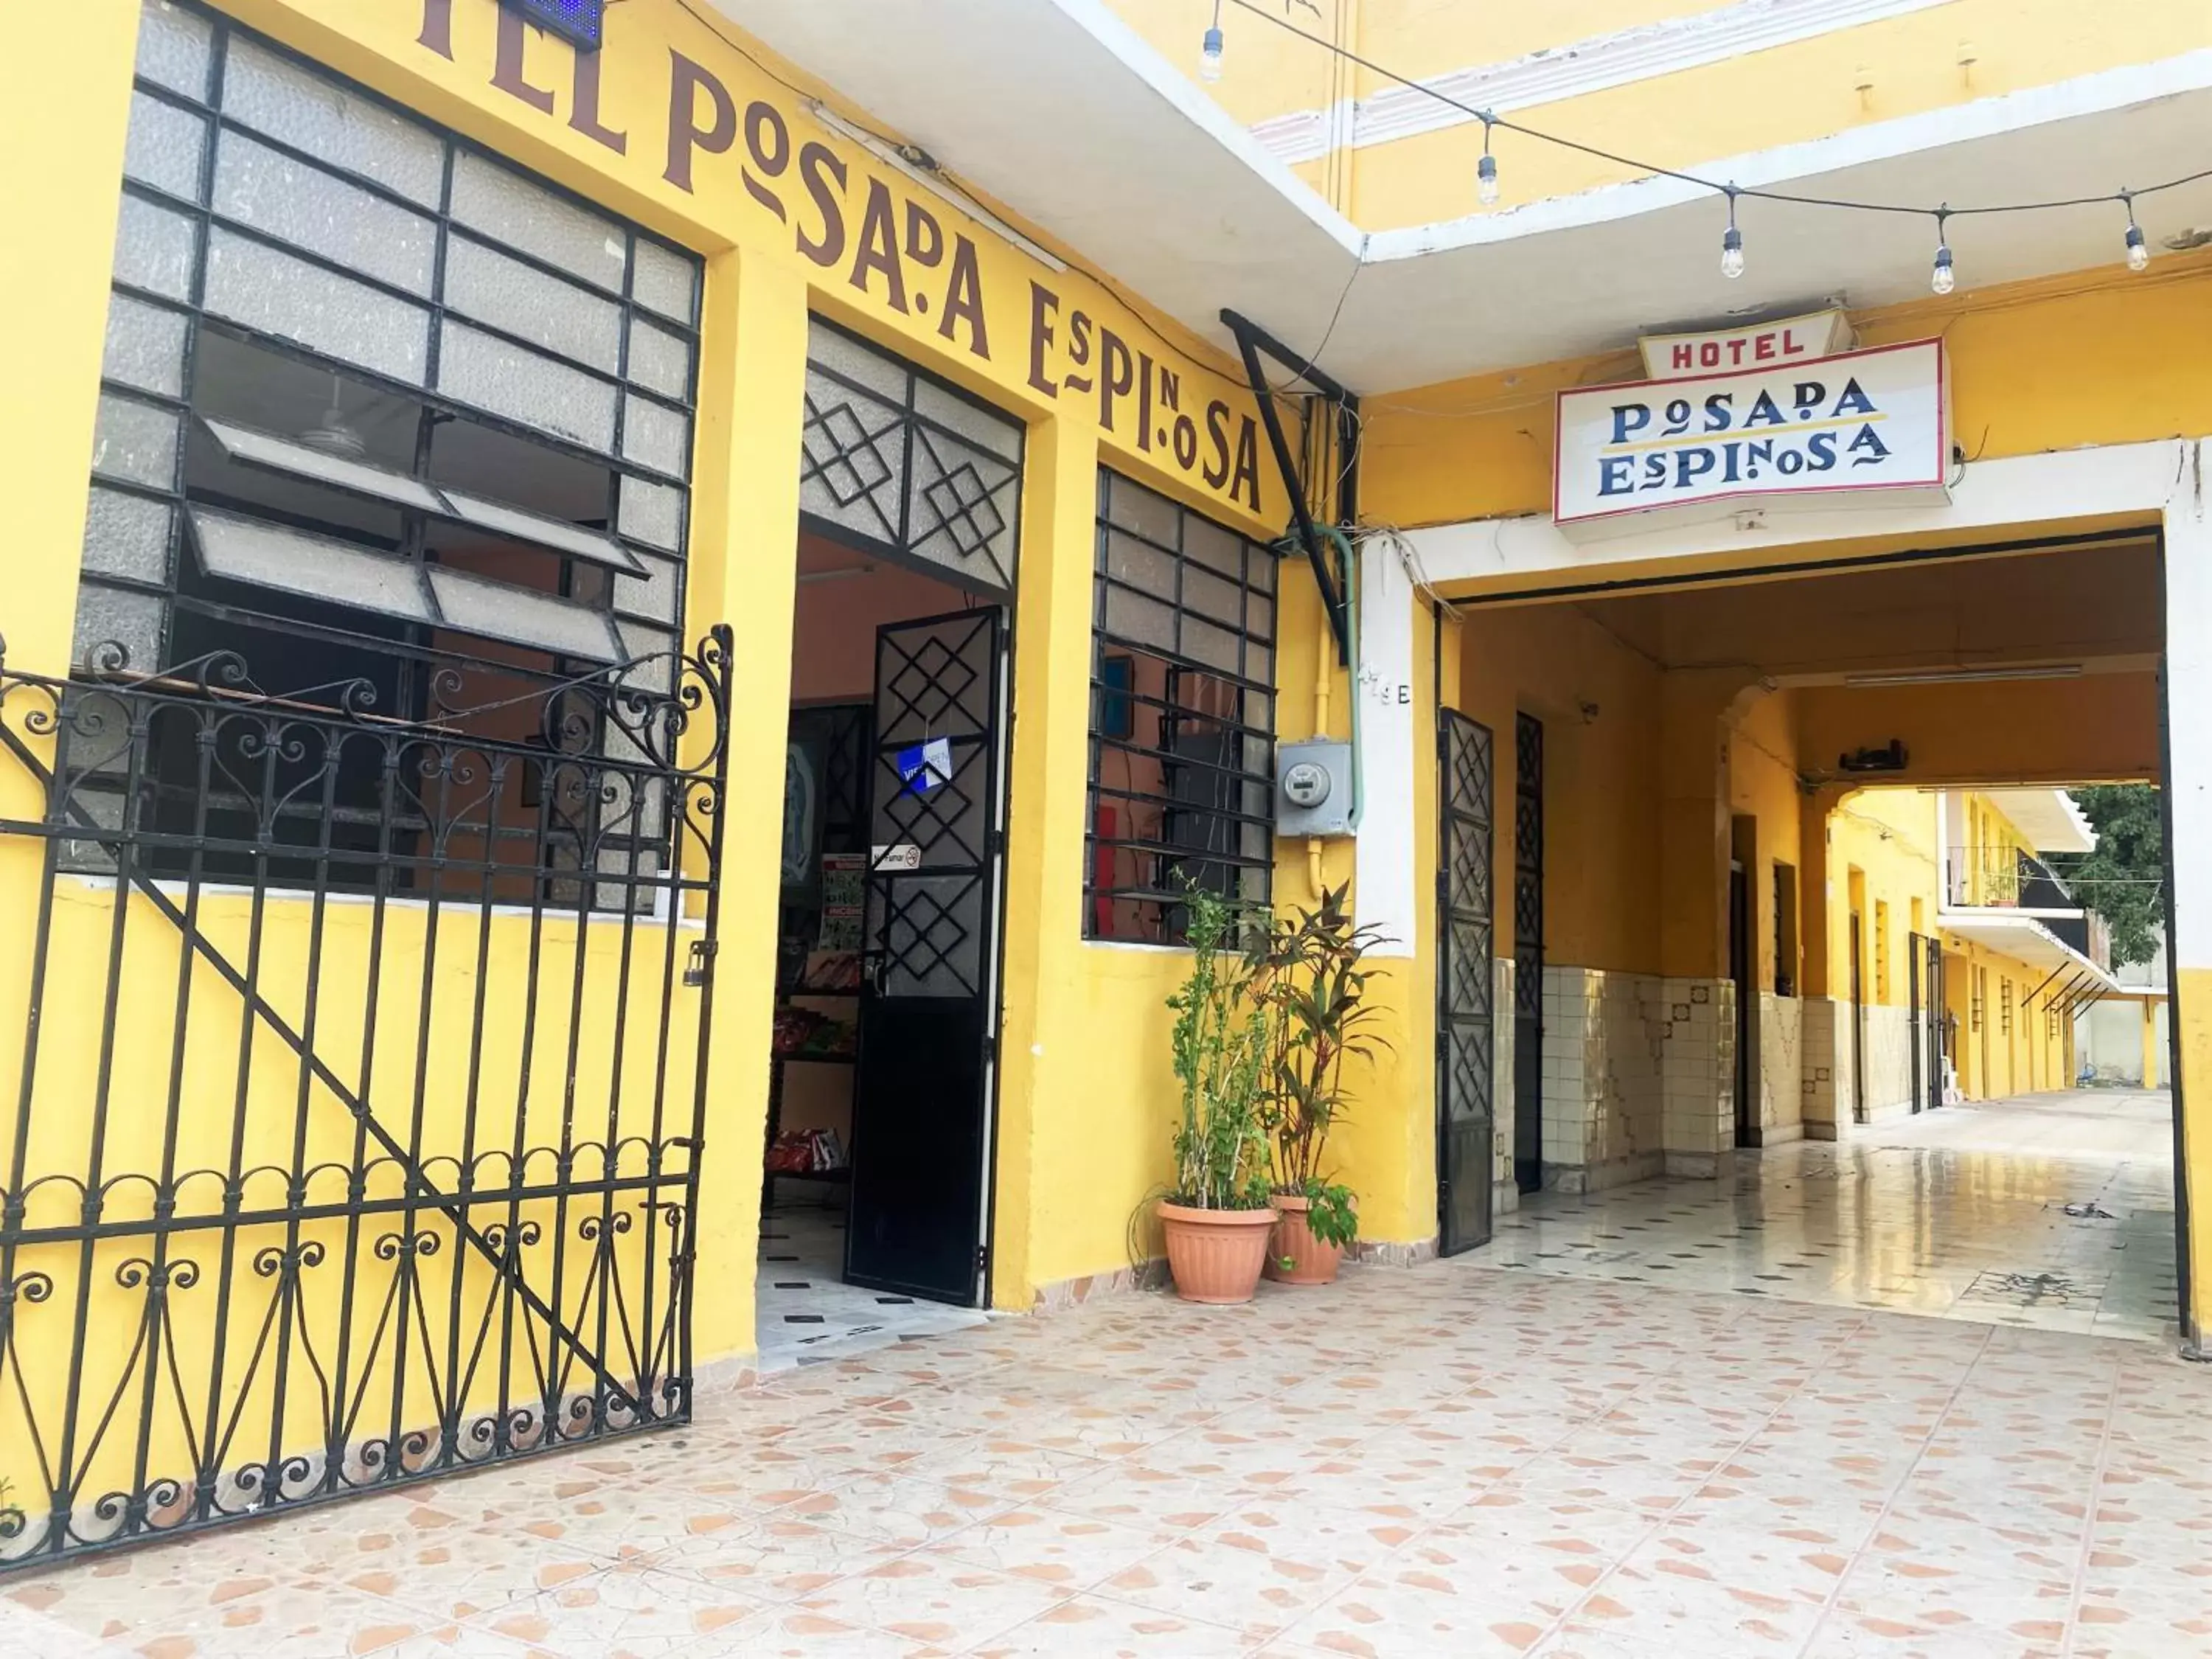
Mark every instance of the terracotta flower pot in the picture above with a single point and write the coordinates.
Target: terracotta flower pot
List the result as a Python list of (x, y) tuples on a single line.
[(1310, 1261), (1216, 1254)]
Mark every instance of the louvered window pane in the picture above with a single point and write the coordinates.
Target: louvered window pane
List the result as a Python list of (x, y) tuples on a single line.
[(273, 292), (521, 215), (522, 300), (263, 449), (165, 147), (498, 610), (511, 380), (145, 346), (541, 531), (275, 96), (322, 213), (244, 549)]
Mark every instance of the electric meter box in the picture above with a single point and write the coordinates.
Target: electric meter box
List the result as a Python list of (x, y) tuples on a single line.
[(1313, 788)]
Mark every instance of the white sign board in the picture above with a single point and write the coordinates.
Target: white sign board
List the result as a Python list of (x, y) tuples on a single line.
[(1858, 429), (1756, 345)]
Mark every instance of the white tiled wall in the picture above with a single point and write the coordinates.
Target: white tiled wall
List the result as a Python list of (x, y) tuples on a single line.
[(1781, 1068), (1638, 1075)]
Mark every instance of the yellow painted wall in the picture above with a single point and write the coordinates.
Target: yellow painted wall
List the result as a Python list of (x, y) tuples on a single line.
[(1890, 836), (1763, 787), (1084, 1090)]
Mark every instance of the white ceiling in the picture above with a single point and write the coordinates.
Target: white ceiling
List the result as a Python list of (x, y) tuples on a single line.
[(1056, 109)]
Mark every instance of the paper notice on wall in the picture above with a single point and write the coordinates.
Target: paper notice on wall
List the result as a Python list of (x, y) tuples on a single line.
[(844, 900)]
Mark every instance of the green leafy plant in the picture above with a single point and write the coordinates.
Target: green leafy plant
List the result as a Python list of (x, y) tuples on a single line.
[(1309, 971), (1223, 1043)]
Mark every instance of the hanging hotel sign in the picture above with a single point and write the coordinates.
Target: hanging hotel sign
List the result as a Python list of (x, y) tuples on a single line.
[(1855, 428), (1758, 345)]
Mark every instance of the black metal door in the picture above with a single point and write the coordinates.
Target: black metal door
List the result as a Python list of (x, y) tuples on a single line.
[(1527, 952), (360, 1082), (1932, 982), (1917, 1017), (1858, 1025), (921, 1107), (1465, 1016), (1747, 1000)]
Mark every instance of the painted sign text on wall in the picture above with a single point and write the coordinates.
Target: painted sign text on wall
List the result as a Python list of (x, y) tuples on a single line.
[(1865, 424), (887, 245)]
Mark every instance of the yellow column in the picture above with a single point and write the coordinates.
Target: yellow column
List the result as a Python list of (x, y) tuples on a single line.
[(744, 553), (2150, 1042), (65, 101), (1044, 985)]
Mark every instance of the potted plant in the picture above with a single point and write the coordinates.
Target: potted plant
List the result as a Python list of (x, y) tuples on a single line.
[(1309, 972), (1218, 1218)]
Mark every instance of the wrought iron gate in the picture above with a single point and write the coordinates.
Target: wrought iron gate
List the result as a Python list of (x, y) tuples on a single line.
[(1466, 985), (352, 1078), (1527, 952)]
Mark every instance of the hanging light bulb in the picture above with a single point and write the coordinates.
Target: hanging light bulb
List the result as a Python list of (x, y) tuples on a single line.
[(1732, 243), (1944, 279), (1209, 52), (1485, 170), (2138, 250)]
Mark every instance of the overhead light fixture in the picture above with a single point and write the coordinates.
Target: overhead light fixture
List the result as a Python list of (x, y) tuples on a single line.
[(932, 180), (334, 437), (2047, 671)]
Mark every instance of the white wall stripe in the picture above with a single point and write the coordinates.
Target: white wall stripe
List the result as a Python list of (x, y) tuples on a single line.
[(1572, 71)]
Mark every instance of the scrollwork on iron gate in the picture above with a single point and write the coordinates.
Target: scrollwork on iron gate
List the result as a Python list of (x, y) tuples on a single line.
[(352, 1075)]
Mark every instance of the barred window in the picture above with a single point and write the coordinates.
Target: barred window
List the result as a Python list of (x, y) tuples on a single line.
[(1182, 715), (375, 407)]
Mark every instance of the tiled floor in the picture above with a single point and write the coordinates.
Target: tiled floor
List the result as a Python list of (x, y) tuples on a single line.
[(806, 1313), (1961, 1213), (1452, 1460)]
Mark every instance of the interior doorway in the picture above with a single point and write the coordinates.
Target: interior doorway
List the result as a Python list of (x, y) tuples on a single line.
[(877, 1189)]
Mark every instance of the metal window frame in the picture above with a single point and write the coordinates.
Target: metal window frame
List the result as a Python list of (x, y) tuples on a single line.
[(1241, 727), (418, 654)]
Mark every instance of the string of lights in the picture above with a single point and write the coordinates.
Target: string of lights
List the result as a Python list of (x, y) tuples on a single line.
[(1942, 273)]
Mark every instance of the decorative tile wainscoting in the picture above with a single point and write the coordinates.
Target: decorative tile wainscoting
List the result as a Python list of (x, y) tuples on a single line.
[(1831, 1092), (1505, 1191), (1638, 1075), (1781, 1069)]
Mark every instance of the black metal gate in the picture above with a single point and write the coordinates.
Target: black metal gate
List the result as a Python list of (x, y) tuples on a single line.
[(1527, 952), (352, 1073), (1466, 984), (921, 1100)]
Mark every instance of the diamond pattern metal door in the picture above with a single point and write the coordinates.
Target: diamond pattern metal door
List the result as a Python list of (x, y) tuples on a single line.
[(922, 1093), (1465, 1016), (1527, 952)]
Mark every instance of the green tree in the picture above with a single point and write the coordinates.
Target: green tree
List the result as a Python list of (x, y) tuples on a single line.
[(2124, 880)]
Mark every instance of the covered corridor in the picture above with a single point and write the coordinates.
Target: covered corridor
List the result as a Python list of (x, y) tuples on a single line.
[(2053, 1211)]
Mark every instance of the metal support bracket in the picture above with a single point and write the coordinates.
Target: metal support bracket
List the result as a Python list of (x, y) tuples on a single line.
[(1253, 341)]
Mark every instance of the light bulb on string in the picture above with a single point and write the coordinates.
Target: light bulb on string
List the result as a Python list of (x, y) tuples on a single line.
[(1209, 56), (2138, 250), (1943, 279), (1732, 243), (1485, 171)]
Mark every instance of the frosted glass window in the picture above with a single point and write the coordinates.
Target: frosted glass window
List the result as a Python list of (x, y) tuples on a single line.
[(654, 652), (525, 300), (653, 436), (524, 215), (853, 361), (174, 48), (127, 536), (111, 617), (541, 531), (321, 212), (273, 292), (1139, 564), (263, 449), (1144, 511), (134, 441), (652, 512), (653, 595), (989, 431), (1203, 590), (244, 549), (155, 248), (165, 147), (1139, 621), (507, 379), (666, 282), (659, 360), (145, 346), (278, 97), (498, 610)]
